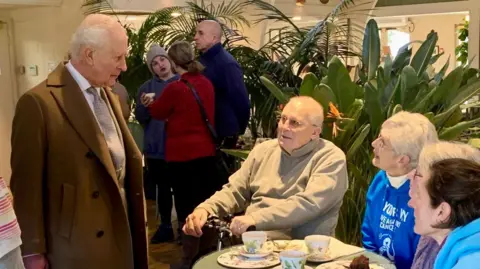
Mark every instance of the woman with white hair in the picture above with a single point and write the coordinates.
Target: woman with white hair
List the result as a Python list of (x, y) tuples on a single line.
[(445, 196), (388, 223)]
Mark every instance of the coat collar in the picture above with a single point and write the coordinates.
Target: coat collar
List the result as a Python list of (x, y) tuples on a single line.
[(211, 52), (71, 100)]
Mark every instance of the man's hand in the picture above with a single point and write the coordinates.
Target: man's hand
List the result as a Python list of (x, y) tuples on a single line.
[(195, 221), (35, 262), (240, 224)]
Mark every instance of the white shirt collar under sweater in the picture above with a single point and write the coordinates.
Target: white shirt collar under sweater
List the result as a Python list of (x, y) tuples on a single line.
[(397, 182)]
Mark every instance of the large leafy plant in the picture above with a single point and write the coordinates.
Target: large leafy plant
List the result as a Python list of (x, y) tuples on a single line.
[(356, 109)]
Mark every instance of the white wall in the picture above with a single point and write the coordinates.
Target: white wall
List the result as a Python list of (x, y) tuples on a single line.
[(444, 25), (42, 36), (7, 98)]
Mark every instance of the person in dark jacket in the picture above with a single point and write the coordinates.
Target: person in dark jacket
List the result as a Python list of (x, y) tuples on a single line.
[(190, 148), (154, 137), (232, 105)]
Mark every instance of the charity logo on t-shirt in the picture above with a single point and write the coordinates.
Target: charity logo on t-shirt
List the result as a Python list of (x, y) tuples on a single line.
[(391, 219)]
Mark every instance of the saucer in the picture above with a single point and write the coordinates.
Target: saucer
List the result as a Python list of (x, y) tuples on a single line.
[(280, 267), (324, 258), (233, 259), (260, 254)]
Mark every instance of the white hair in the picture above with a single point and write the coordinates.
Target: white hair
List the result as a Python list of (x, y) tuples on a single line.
[(447, 150), (409, 133), (94, 36)]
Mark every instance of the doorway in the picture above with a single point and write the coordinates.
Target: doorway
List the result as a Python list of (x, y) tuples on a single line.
[(7, 99)]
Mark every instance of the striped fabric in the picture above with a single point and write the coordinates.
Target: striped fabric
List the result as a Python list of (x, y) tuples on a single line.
[(9, 228)]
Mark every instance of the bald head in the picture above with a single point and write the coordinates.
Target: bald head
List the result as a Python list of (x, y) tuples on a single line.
[(301, 122), (96, 30), (208, 33), (98, 50), (309, 108)]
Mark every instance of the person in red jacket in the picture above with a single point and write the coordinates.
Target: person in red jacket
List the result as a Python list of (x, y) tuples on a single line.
[(190, 149)]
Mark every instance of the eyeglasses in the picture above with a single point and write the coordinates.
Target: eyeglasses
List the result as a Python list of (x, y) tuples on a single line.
[(292, 123)]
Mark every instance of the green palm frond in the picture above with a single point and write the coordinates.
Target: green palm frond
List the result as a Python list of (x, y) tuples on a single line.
[(231, 14), (96, 6), (270, 12)]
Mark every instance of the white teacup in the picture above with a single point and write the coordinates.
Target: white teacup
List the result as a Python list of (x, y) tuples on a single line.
[(317, 245), (253, 241), (293, 259)]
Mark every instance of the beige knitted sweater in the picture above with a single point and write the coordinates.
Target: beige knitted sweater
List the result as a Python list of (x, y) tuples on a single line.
[(290, 195)]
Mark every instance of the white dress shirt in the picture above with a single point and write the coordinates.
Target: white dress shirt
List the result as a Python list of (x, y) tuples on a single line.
[(83, 84)]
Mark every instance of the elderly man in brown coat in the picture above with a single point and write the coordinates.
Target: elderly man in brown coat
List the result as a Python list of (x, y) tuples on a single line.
[(77, 172)]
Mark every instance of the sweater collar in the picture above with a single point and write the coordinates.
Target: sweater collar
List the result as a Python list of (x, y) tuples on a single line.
[(175, 77), (304, 150), (214, 50)]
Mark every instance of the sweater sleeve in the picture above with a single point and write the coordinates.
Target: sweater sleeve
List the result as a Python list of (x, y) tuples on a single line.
[(235, 195), (469, 261), (325, 188), (163, 107), (368, 236), (141, 112)]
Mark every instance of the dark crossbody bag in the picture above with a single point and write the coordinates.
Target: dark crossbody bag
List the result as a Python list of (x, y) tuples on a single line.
[(221, 165)]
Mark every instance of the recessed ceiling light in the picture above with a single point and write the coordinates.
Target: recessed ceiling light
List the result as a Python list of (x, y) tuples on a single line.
[(176, 14), (300, 3), (296, 18)]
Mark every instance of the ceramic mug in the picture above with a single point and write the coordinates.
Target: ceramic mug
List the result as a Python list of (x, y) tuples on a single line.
[(293, 259), (317, 245), (253, 241)]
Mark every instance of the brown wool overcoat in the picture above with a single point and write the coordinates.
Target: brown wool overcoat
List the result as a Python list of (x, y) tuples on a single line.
[(66, 193)]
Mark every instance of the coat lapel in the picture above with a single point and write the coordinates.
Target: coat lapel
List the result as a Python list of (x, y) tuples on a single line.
[(71, 100)]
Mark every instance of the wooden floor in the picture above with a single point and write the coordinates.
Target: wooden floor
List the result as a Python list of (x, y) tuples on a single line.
[(161, 255)]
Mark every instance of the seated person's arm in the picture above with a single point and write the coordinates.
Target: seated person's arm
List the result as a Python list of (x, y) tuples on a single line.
[(325, 188), (368, 235)]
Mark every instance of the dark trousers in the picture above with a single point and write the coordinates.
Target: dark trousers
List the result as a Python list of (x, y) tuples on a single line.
[(157, 169), (193, 182), (229, 142)]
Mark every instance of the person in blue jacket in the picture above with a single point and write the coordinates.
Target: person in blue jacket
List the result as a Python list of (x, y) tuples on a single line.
[(154, 137), (232, 105), (445, 196), (387, 226)]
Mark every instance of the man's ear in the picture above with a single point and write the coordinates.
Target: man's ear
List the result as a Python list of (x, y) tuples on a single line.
[(88, 54), (316, 132)]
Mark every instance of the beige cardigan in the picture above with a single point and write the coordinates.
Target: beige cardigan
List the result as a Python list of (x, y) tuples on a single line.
[(291, 195)]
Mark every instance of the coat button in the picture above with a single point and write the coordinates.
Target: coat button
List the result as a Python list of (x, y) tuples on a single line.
[(100, 234), (90, 155), (95, 194)]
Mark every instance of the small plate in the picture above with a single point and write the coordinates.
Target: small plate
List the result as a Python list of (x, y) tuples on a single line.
[(280, 267), (324, 258), (283, 245), (233, 259), (262, 253), (342, 264)]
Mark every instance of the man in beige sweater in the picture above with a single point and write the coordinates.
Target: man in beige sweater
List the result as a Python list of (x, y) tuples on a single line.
[(291, 187)]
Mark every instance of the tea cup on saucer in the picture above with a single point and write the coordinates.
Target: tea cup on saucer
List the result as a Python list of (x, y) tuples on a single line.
[(253, 241), (293, 259), (317, 245)]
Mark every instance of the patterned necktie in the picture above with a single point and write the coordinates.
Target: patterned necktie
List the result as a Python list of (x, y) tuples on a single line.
[(104, 118)]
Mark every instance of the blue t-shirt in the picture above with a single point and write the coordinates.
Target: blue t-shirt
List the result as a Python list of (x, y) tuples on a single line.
[(387, 226)]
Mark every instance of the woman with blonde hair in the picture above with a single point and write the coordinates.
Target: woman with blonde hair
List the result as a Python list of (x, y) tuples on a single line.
[(445, 197), (187, 106)]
